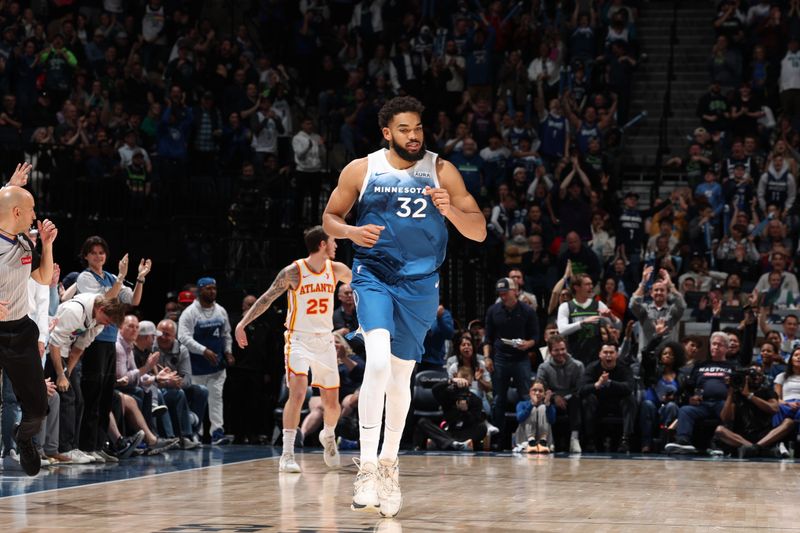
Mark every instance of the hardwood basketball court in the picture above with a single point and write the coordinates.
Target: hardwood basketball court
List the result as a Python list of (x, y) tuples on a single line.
[(238, 488)]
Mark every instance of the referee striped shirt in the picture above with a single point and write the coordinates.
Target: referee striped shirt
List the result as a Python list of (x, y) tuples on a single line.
[(16, 261)]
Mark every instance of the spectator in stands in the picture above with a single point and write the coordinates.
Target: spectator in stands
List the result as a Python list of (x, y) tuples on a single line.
[(58, 65), (607, 387), (771, 361), (554, 128), (309, 159), (469, 365), (788, 391), (470, 165), (614, 300), (266, 124), (536, 415), (441, 330), (99, 360), (777, 187), (667, 306), (574, 212), (345, 319), (579, 319), (707, 386), (725, 64), (170, 387), (462, 415), (512, 330), (661, 362), (172, 137), (495, 158), (205, 330), (523, 296), (580, 256), (78, 322), (779, 262), (176, 357), (561, 374), (712, 108), (747, 414), (790, 79), (133, 380)]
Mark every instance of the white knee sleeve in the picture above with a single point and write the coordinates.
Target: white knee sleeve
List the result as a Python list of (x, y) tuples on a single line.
[(377, 343)]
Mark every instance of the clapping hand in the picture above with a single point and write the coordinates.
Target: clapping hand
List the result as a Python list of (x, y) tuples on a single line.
[(145, 265), (123, 267), (20, 176)]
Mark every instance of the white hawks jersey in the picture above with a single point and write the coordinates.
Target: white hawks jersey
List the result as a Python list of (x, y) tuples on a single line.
[(311, 303)]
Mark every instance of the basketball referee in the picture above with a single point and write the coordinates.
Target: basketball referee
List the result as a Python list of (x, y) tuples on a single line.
[(19, 350)]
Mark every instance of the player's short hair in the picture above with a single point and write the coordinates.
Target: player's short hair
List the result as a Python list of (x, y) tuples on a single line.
[(314, 237), (397, 105)]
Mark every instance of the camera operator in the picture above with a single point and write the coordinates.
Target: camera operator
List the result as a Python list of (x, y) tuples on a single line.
[(747, 414), (463, 413)]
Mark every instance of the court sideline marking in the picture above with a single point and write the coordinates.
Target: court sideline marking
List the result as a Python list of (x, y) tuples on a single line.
[(45, 491)]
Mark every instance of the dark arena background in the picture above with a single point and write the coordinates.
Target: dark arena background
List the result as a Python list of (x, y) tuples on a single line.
[(636, 163)]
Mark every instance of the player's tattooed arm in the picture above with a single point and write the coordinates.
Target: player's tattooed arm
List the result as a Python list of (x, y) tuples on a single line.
[(288, 278)]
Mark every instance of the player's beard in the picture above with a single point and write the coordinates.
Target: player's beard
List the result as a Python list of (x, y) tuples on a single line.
[(411, 157)]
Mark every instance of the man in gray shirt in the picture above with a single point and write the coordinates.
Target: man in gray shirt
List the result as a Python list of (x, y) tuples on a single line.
[(561, 373), (667, 306), (175, 356)]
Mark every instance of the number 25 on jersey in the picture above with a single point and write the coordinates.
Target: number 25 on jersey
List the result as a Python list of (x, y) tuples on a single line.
[(317, 307)]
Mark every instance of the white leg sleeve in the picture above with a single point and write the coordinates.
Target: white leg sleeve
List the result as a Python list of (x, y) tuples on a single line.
[(373, 390), (398, 400)]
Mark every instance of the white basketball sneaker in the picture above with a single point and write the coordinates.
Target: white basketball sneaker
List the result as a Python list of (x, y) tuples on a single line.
[(288, 465), (365, 489), (331, 452), (389, 494)]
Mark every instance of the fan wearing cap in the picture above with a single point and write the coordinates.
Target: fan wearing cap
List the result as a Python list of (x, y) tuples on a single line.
[(167, 386), (512, 330), (205, 330)]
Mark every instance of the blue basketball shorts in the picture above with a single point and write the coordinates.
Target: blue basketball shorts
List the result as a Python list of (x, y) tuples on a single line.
[(407, 309)]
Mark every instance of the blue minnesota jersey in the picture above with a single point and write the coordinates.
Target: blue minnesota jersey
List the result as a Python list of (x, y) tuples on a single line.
[(414, 242)]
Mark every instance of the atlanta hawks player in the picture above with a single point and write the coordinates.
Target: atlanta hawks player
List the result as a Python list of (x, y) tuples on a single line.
[(311, 283)]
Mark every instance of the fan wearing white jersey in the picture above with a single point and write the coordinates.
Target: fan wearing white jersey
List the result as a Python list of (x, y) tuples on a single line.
[(311, 285)]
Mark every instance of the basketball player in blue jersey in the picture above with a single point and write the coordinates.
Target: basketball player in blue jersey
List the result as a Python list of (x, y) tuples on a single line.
[(404, 196)]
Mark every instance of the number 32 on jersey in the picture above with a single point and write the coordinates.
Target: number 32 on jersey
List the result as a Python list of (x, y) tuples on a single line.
[(415, 208)]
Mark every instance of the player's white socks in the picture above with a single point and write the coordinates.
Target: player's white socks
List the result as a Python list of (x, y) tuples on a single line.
[(398, 400), (288, 441), (377, 373)]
